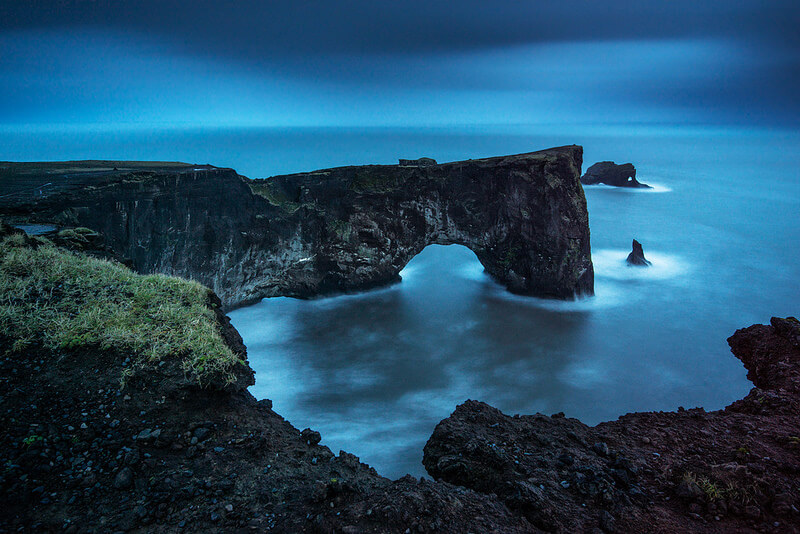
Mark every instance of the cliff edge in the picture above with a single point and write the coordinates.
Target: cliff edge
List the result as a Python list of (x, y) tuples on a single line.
[(124, 408)]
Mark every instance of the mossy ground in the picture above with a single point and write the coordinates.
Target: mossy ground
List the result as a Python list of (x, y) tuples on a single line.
[(64, 301)]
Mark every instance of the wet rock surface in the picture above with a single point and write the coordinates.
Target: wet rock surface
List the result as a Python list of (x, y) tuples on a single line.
[(327, 231), (636, 257), (610, 173), (734, 470)]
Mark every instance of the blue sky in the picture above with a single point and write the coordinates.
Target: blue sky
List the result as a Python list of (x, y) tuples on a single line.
[(209, 64)]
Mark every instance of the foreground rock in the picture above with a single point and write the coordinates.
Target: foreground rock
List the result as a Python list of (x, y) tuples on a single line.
[(326, 231), (163, 454), (636, 257), (81, 454), (735, 470), (609, 173)]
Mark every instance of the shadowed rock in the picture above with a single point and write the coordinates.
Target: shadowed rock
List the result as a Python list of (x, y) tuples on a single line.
[(327, 231), (636, 257), (648, 471), (609, 173)]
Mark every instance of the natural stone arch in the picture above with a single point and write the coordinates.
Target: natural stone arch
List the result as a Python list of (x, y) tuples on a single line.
[(333, 230), (523, 216)]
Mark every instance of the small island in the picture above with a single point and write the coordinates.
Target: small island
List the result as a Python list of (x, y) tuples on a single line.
[(609, 173)]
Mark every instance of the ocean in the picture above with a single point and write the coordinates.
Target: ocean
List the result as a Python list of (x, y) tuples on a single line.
[(374, 372)]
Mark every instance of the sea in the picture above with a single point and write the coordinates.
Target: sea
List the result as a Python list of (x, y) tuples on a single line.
[(375, 372)]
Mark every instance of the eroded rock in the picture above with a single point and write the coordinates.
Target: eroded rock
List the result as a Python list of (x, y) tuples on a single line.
[(734, 470), (610, 173), (332, 230), (636, 257)]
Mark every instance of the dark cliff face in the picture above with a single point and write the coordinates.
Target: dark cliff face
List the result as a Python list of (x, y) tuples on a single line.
[(524, 217), (335, 230)]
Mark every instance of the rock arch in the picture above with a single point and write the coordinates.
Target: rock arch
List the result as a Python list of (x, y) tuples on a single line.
[(332, 230), (523, 216)]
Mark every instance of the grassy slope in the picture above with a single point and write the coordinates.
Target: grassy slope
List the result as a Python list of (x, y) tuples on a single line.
[(64, 301)]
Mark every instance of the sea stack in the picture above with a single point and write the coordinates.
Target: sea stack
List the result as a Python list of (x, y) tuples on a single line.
[(609, 173), (636, 257)]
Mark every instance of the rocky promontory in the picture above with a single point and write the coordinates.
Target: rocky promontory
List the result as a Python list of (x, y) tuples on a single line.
[(332, 230)]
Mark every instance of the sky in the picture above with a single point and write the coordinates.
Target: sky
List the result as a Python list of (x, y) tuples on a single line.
[(222, 63)]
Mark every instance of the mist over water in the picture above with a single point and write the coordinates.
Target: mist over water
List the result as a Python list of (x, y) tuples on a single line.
[(375, 372)]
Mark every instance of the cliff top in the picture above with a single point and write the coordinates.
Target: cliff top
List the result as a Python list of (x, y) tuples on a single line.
[(62, 302), (24, 181), (28, 180), (571, 150)]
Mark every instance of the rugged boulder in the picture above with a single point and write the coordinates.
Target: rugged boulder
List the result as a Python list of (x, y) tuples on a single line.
[(636, 257), (733, 470), (332, 230), (609, 173)]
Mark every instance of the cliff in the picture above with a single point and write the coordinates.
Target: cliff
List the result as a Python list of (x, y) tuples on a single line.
[(332, 230), (137, 419)]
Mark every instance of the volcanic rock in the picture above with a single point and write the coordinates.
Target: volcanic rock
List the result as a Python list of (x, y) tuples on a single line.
[(636, 257), (733, 470), (327, 231), (421, 162), (609, 173)]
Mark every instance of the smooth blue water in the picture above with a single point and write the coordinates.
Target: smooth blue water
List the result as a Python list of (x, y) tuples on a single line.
[(375, 372)]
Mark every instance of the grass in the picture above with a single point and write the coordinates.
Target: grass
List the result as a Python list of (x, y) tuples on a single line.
[(63, 301), (717, 491)]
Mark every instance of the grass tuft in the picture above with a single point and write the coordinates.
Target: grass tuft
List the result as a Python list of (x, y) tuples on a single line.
[(65, 301)]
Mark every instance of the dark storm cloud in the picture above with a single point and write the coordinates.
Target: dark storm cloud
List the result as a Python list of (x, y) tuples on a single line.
[(371, 61), (259, 30)]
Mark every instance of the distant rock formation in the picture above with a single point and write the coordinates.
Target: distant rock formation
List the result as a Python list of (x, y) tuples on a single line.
[(609, 173), (327, 231), (636, 257), (421, 162)]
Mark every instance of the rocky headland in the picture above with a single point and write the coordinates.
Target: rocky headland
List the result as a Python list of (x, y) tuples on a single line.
[(124, 401), (733, 470), (327, 231), (112, 425)]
